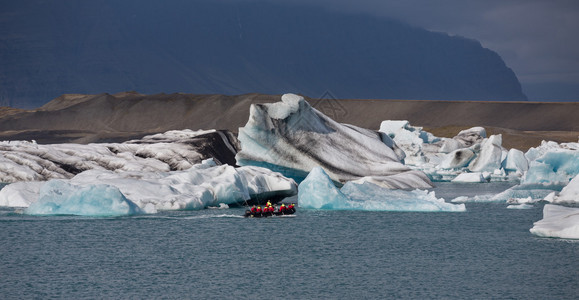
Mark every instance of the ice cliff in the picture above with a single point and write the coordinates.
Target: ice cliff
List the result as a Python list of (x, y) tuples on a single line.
[(292, 137)]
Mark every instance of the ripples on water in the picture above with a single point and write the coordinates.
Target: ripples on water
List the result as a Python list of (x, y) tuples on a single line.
[(486, 252)]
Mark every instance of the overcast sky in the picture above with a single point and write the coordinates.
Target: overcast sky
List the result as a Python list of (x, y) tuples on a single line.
[(538, 39)]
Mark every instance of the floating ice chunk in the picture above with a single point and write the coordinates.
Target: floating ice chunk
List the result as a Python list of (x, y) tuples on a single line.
[(318, 191), (265, 184), (515, 162), (490, 155), (535, 191), (58, 197), (373, 197), (450, 145), (520, 206), (551, 197), (402, 131), (296, 138), (569, 194), (521, 200), (558, 222), (457, 159), (471, 136), (470, 177), (409, 138), (460, 199), (554, 166)]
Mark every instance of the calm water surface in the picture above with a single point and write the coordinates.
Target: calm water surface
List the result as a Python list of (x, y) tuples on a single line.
[(486, 252)]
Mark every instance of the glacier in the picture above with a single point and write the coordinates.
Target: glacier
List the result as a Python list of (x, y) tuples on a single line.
[(292, 137), (558, 222), (317, 191), (203, 185)]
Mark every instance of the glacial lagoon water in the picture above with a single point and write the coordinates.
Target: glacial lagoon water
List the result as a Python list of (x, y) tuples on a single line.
[(485, 252)]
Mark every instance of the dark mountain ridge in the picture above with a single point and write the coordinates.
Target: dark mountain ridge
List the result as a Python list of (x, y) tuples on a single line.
[(48, 48)]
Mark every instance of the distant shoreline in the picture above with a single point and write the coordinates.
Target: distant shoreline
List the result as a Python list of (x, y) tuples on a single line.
[(104, 117)]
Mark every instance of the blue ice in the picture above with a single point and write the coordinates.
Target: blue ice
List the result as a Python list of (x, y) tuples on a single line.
[(58, 197), (318, 191), (558, 166)]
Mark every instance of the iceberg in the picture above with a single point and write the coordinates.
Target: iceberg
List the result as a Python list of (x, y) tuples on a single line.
[(520, 206), (443, 159), (295, 137), (569, 194), (318, 191), (558, 222), (457, 159), (58, 197), (409, 138), (515, 162), (470, 177), (471, 136), (556, 165), (170, 151), (535, 191), (490, 156), (203, 185)]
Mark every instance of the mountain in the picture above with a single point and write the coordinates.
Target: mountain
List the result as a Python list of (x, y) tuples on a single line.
[(48, 48)]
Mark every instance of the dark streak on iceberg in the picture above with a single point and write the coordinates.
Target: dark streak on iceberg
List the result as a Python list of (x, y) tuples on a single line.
[(293, 135), (170, 151)]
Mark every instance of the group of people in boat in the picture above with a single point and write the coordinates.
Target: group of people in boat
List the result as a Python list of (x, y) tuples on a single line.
[(270, 210)]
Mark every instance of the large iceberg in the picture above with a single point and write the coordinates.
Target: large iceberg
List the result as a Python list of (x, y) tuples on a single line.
[(558, 222), (170, 151), (200, 186), (318, 191), (293, 138)]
